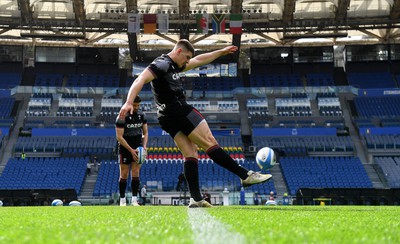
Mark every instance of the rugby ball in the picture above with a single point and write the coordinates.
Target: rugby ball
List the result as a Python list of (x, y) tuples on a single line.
[(57, 202), (271, 203), (266, 158), (75, 203), (142, 154), (1, 203)]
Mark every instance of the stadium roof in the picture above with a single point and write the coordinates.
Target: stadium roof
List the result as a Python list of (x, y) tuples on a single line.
[(265, 22)]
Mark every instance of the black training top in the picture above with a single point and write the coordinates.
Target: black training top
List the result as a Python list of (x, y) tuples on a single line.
[(132, 125), (167, 86)]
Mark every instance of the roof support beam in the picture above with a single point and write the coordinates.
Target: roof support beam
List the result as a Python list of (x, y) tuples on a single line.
[(194, 41), (269, 38), (341, 11), (99, 37), (26, 11), (395, 11), (165, 37), (184, 14), (370, 34), (237, 6), (288, 10), (4, 30), (79, 10), (131, 7)]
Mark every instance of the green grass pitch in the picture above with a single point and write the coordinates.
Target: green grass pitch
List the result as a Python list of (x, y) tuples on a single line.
[(178, 224)]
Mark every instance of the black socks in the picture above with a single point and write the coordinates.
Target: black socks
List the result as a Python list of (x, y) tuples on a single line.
[(122, 187), (221, 158), (135, 186), (191, 170)]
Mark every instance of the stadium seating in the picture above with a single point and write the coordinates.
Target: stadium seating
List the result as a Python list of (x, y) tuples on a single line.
[(107, 179), (92, 80), (304, 144), (387, 122), (293, 107), (72, 106), (1, 140), (84, 145), (382, 141), (320, 79), (39, 104), (228, 105), (254, 105), (166, 172), (44, 173), (323, 172), (277, 80), (371, 80), (216, 83), (329, 106), (379, 106), (391, 169), (201, 105), (50, 80), (9, 80), (7, 103)]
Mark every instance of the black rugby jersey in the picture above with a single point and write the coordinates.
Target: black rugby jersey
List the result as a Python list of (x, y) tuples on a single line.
[(167, 86), (132, 127)]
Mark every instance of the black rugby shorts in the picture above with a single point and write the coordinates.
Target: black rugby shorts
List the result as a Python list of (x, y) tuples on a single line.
[(185, 122), (124, 156)]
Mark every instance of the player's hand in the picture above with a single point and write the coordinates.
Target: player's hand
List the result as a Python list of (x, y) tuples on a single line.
[(135, 155), (229, 50), (126, 108)]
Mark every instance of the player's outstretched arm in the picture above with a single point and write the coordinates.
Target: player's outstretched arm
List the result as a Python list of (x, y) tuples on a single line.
[(145, 77), (207, 58)]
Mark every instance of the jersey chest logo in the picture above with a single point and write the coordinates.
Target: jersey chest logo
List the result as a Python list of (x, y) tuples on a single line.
[(175, 76), (137, 125)]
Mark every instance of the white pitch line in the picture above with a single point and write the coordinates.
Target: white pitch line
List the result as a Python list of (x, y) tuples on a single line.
[(207, 229)]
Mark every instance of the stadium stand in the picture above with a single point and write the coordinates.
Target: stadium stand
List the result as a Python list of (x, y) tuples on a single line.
[(258, 111), (92, 80), (324, 172), (9, 80), (320, 79), (67, 145), (44, 173), (277, 80), (379, 106), (293, 107), (165, 173), (39, 104), (382, 141), (49, 80), (306, 144), (7, 104), (371, 80), (391, 169), (72, 106), (290, 95)]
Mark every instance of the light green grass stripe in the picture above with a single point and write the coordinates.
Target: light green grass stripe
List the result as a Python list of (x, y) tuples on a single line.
[(207, 229)]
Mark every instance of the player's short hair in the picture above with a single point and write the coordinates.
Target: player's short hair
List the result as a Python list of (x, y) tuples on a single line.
[(185, 44), (137, 99)]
